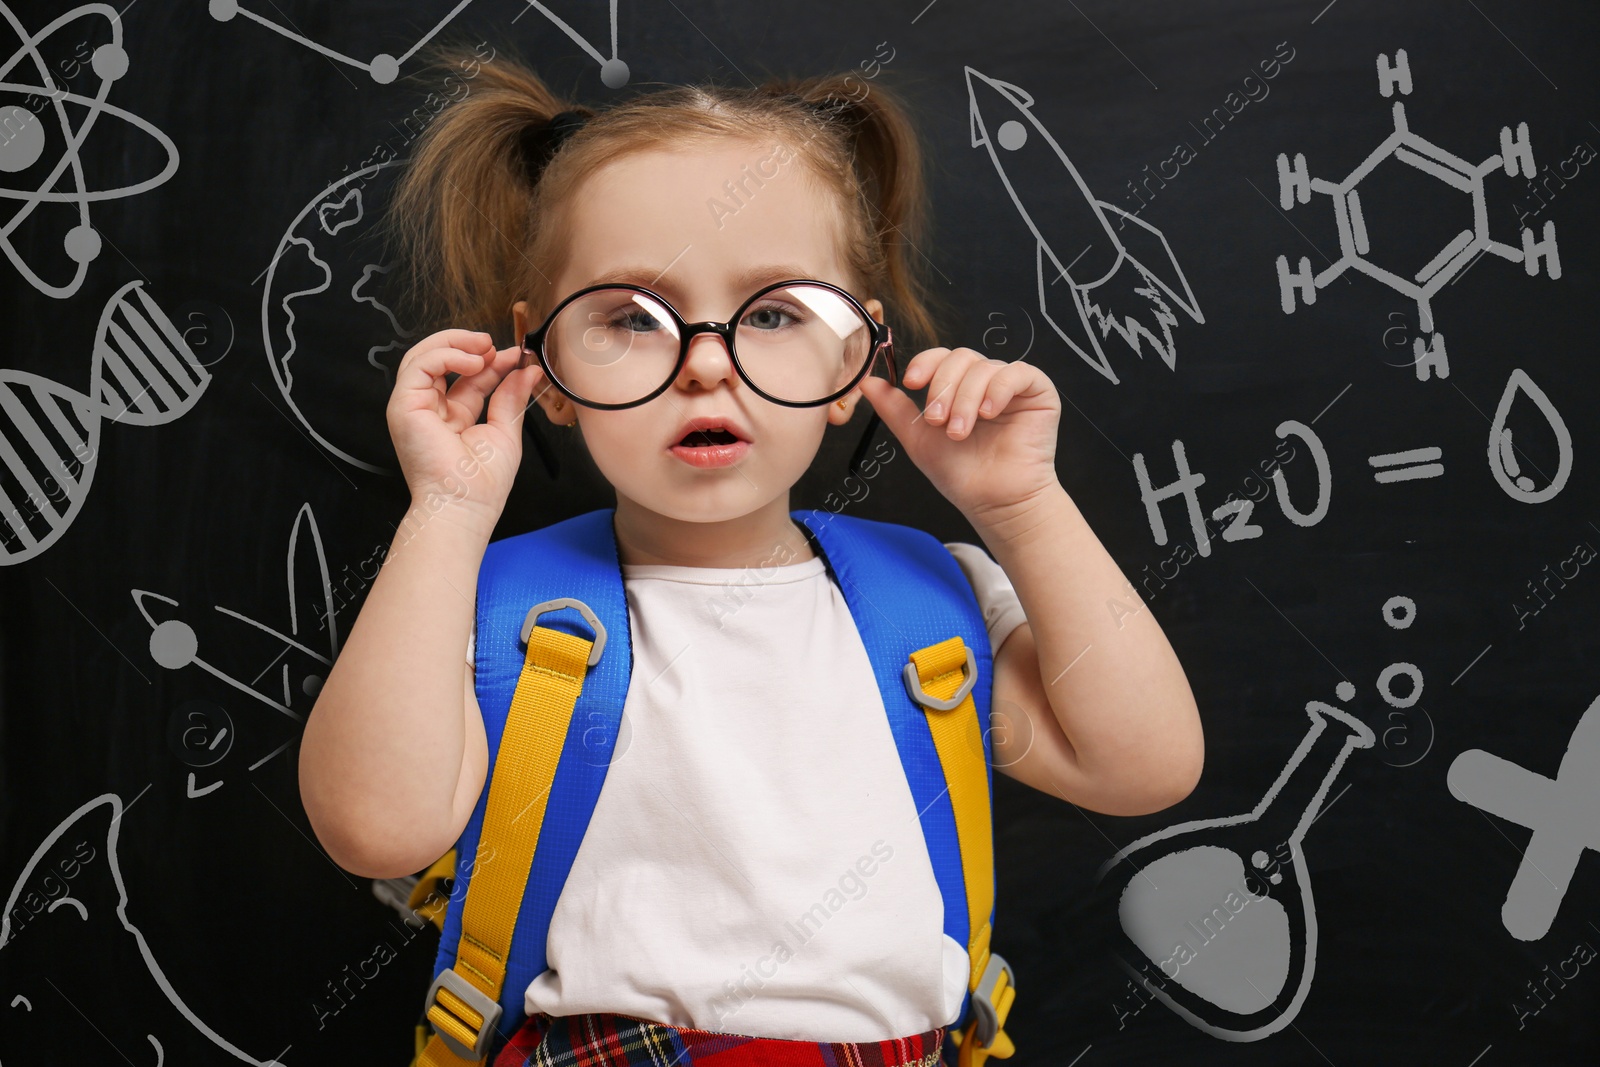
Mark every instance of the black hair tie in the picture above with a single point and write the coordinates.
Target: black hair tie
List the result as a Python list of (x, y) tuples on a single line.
[(565, 123), (540, 141)]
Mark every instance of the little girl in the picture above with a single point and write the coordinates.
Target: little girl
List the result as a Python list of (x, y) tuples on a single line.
[(756, 776)]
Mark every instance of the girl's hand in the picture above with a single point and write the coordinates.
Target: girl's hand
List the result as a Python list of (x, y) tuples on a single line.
[(442, 447), (1004, 451)]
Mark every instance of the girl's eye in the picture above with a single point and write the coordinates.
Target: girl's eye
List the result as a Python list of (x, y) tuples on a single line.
[(769, 317), (635, 319)]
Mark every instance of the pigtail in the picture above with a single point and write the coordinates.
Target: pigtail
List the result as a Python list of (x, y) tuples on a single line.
[(459, 217), (887, 161), (465, 218)]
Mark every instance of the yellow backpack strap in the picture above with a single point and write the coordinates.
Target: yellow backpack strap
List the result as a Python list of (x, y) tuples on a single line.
[(940, 679), (463, 1004)]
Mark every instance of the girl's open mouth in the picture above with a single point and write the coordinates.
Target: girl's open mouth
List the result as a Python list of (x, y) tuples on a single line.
[(710, 448), (710, 441)]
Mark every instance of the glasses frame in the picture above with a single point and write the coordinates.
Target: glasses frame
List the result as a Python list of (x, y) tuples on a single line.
[(882, 340)]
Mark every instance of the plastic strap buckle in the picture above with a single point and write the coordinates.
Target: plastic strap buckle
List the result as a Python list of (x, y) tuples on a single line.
[(983, 1006), (568, 602), (478, 1000), (914, 686)]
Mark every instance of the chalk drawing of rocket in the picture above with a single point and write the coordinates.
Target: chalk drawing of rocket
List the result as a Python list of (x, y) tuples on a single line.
[(1122, 279)]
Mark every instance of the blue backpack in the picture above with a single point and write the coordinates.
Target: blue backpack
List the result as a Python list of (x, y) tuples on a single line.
[(554, 658)]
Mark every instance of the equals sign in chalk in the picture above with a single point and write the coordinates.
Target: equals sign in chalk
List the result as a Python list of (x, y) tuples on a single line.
[(1404, 466)]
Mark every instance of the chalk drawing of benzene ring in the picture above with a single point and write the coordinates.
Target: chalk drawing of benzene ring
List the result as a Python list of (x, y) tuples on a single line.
[(1296, 186), (25, 143), (384, 68)]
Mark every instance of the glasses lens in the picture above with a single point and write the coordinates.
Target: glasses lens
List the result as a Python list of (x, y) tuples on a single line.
[(612, 346), (802, 343)]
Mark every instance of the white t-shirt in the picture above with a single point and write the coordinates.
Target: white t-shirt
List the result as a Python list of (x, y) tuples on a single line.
[(755, 863)]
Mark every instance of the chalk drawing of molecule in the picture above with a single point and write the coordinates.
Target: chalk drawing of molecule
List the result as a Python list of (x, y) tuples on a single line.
[(384, 68), (1515, 156)]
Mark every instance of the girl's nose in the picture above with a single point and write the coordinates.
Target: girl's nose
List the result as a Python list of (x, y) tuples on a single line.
[(709, 363)]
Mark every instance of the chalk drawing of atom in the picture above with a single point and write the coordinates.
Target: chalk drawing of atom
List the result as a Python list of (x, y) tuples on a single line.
[(41, 147)]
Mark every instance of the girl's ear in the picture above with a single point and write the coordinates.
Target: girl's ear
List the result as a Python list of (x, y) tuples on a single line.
[(838, 416), (557, 408)]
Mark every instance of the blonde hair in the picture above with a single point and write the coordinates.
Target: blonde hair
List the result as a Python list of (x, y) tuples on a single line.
[(477, 227)]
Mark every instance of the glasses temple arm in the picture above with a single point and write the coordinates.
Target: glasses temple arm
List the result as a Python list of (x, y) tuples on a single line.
[(542, 445), (861, 448), (872, 423)]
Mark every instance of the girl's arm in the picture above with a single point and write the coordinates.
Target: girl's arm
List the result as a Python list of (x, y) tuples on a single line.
[(1108, 720), (394, 754)]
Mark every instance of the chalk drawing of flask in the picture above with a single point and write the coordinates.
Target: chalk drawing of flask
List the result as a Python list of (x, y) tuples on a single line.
[(1217, 916)]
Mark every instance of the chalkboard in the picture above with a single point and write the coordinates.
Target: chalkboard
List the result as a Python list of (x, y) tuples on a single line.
[(1311, 279)]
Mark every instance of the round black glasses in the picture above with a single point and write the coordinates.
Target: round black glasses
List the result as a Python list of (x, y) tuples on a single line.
[(799, 343), (613, 346)]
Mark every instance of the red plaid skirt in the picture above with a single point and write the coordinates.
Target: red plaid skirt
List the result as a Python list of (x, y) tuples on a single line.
[(610, 1040)]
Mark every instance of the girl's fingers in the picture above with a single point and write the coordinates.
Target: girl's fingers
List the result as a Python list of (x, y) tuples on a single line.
[(953, 366), (922, 366), (510, 400), (470, 389), (449, 351), (969, 391), (1002, 387), (896, 407)]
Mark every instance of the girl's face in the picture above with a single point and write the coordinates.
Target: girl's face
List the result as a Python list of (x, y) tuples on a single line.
[(665, 220)]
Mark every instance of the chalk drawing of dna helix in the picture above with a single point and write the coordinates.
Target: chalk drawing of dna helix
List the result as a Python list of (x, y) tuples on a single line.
[(143, 373)]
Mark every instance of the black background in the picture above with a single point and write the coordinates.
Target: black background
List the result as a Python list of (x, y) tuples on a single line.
[(250, 920)]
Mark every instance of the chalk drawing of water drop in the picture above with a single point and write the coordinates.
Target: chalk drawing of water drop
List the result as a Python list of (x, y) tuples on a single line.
[(1502, 454)]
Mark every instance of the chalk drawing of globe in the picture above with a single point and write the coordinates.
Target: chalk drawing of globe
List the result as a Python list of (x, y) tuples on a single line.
[(331, 340)]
